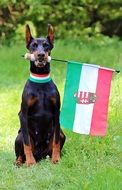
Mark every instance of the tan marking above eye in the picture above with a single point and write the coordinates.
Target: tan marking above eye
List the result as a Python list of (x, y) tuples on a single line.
[(45, 43)]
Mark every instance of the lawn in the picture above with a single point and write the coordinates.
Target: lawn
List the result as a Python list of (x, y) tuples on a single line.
[(87, 162)]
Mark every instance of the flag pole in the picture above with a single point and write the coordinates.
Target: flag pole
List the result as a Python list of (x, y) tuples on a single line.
[(117, 71), (59, 60)]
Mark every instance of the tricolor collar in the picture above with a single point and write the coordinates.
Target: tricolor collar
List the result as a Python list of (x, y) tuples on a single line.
[(40, 78)]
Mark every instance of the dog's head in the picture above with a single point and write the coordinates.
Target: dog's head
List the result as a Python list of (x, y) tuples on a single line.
[(40, 47)]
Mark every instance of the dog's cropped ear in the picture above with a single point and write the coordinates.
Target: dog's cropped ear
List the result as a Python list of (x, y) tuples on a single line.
[(50, 33), (28, 36)]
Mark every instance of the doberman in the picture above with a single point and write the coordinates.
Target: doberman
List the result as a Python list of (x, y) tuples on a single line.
[(40, 133)]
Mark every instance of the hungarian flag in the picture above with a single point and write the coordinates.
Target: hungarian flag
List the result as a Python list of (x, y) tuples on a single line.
[(86, 97)]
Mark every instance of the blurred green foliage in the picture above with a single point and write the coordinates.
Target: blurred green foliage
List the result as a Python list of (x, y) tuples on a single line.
[(71, 18)]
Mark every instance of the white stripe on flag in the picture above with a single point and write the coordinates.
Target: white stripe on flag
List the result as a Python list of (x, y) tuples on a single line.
[(83, 114)]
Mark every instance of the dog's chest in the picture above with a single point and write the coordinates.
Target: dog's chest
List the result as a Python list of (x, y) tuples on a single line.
[(41, 113), (43, 106), (42, 110)]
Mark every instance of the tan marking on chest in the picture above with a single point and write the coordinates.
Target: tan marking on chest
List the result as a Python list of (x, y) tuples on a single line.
[(31, 101), (53, 100)]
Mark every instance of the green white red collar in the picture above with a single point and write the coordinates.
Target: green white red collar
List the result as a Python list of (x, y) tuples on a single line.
[(40, 78)]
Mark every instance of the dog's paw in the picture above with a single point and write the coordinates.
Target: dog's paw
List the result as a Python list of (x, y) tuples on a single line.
[(18, 163), (55, 158), (56, 153), (30, 162)]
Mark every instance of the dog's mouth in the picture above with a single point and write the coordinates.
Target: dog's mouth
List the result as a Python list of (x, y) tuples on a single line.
[(40, 63)]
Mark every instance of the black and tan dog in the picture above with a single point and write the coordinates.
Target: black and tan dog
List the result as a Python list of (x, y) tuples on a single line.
[(40, 134)]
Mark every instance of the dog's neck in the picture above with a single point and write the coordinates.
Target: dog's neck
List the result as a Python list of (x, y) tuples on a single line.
[(38, 70), (39, 75)]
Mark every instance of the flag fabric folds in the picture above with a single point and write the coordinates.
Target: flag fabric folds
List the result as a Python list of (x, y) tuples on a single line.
[(86, 97)]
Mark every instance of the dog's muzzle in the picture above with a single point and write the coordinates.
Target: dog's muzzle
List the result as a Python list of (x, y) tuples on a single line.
[(40, 61)]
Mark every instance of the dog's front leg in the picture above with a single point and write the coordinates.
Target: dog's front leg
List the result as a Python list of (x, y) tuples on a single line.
[(23, 115), (56, 139), (30, 160)]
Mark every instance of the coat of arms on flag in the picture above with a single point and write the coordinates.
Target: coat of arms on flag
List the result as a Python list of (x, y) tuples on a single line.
[(86, 98)]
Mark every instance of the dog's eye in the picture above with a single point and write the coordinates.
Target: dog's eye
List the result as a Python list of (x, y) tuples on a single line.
[(46, 46), (35, 45)]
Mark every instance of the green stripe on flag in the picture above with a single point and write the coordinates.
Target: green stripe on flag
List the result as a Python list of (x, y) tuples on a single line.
[(71, 87)]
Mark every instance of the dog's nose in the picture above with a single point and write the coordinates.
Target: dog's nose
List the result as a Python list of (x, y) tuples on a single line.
[(41, 55)]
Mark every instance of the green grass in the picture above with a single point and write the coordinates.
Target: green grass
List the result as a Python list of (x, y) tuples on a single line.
[(86, 162)]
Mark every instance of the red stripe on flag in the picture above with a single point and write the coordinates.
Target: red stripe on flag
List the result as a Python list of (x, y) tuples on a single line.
[(100, 110)]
